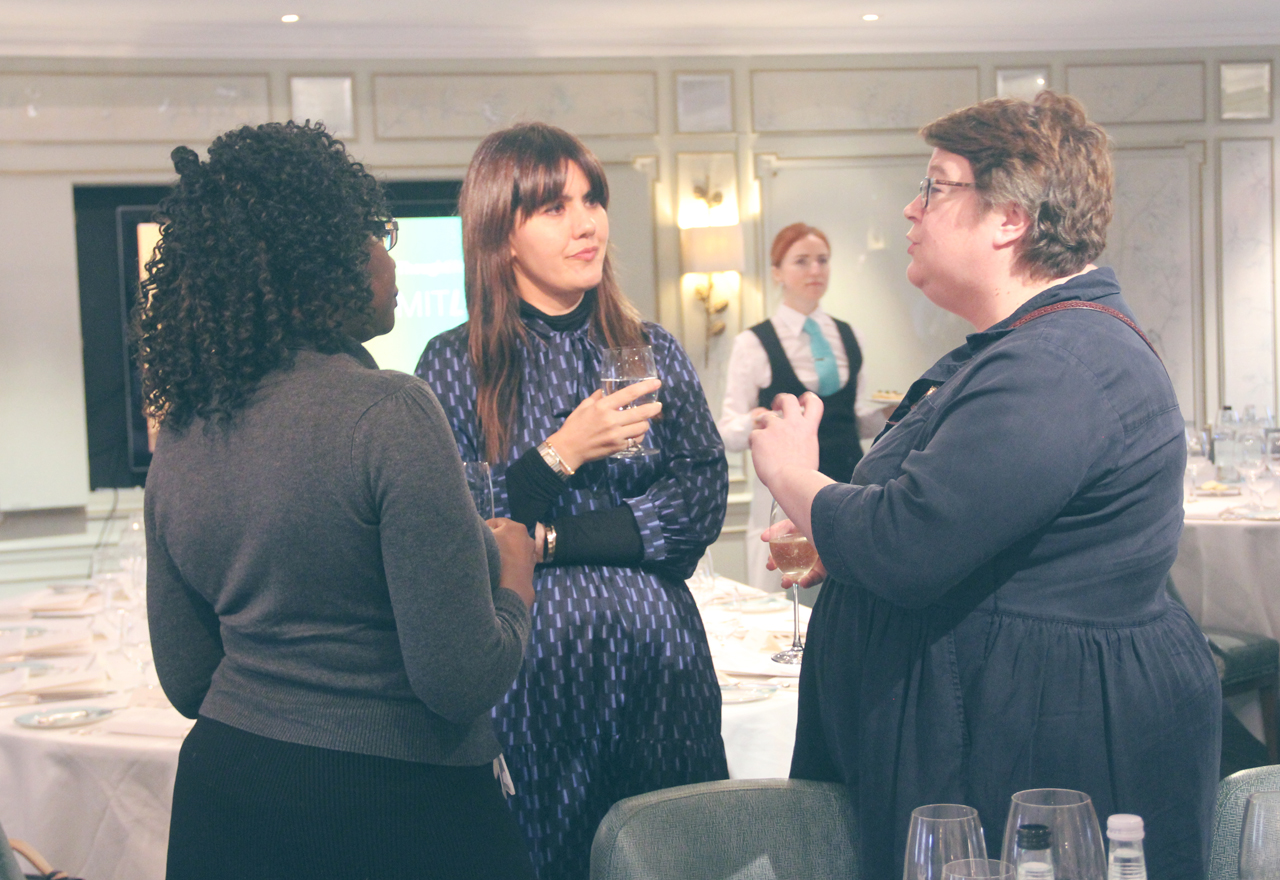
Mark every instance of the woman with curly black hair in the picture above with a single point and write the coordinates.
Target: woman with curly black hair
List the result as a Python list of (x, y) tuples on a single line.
[(323, 598)]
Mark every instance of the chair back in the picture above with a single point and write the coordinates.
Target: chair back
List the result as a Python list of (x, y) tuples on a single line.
[(8, 864), (1228, 817), (748, 829)]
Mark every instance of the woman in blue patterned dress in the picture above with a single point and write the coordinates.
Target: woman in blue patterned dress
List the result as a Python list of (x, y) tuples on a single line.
[(617, 695)]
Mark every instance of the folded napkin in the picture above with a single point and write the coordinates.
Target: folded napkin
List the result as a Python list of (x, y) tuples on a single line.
[(52, 601), (143, 721), (52, 681), (58, 639)]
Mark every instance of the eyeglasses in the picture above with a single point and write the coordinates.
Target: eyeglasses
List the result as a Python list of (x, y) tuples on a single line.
[(386, 230), (927, 185)]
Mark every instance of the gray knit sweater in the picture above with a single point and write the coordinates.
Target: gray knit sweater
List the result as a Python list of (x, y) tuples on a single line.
[(317, 573)]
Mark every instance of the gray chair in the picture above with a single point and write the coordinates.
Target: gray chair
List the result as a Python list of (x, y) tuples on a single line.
[(749, 829), (1228, 817)]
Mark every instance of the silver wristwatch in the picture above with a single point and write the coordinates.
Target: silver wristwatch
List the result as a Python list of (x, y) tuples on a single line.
[(554, 461)]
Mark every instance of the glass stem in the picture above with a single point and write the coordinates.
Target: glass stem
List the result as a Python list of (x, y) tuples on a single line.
[(795, 613)]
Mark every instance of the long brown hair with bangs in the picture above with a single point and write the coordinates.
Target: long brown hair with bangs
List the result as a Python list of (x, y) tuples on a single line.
[(513, 173)]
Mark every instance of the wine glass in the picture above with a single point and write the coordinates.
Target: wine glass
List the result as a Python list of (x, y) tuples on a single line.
[(1260, 837), (1251, 461), (940, 834), (794, 556), (480, 483), (1076, 838), (978, 869), (620, 367)]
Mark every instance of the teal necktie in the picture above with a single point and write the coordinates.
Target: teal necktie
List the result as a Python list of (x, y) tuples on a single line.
[(824, 359)]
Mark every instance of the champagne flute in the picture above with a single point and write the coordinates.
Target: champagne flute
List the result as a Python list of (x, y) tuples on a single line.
[(1260, 837), (939, 835), (620, 367), (794, 556), (480, 483), (1076, 838)]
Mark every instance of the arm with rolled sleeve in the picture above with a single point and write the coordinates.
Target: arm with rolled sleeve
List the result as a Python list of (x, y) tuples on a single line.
[(1008, 452), (462, 636)]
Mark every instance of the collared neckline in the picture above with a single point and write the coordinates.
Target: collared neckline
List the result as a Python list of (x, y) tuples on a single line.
[(566, 323), (793, 320)]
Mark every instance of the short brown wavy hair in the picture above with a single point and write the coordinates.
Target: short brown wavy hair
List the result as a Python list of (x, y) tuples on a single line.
[(1047, 157), (263, 249)]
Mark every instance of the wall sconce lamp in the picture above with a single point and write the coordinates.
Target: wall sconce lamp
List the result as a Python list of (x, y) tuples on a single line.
[(706, 250)]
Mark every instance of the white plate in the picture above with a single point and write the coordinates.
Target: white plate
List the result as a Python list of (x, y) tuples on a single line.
[(1261, 515), (56, 719), (33, 667), (755, 605), (745, 693)]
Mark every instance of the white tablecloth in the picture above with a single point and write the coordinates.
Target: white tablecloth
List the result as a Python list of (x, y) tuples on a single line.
[(96, 804), (1226, 570)]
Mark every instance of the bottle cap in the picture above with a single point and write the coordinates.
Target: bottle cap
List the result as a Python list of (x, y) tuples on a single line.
[(1034, 837), (1124, 826)]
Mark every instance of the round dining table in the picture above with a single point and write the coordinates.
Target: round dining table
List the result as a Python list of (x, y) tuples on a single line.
[(95, 799)]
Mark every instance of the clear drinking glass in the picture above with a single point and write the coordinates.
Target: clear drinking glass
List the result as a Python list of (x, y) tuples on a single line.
[(939, 835), (979, 869), (1078, 850), (1251, 461), (794, 556), (1260, 837), (480, 483), (620, 367)]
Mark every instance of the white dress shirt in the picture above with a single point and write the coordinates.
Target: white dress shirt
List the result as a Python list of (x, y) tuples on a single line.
[(749, 372)]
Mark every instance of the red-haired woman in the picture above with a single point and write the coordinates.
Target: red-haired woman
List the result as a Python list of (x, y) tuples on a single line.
[(801, 348), (617, 695)]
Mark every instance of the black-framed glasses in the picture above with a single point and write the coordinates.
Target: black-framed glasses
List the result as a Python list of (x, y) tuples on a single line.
[(927, 185), (386, 230)]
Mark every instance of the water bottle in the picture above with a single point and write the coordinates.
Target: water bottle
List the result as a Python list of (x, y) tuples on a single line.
[(1033, 853), (1126, 861), (1224, 445)]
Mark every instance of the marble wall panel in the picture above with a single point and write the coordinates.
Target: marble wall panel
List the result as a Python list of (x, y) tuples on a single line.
[(858, 100), (1248, 280), (1151, 245), (1139, 92), (128, 109), (412, 107)]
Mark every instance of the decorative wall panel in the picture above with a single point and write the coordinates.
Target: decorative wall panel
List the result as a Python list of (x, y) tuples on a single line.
[(1139, 92), (858, 100), (472, 105), (1151, 245), (1248, 260), (131, 109)]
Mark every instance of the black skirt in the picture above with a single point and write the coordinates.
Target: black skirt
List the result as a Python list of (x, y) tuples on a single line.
[(249, 806)]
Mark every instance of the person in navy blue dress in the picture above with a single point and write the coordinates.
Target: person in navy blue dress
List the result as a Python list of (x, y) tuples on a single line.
[(995, 617), (617, 695)]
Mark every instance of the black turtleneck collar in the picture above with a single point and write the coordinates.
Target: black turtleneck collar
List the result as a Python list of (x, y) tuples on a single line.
[(569, 320)]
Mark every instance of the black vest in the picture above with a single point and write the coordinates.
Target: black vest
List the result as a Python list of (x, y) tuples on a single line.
[(838, 447)]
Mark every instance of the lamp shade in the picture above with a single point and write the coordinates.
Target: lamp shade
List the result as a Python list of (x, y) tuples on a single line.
[(712, 249)]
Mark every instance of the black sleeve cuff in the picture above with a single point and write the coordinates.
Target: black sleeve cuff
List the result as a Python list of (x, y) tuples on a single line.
[(599, 537), (531, 487)]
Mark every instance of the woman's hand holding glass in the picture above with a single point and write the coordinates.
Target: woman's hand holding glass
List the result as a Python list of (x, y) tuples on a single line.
[(604, 423)]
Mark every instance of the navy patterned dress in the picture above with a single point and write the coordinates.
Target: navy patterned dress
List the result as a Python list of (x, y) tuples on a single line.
[(617, 695)]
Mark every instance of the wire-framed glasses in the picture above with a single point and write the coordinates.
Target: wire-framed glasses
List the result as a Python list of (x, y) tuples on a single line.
[(386, 230), (927, 185)]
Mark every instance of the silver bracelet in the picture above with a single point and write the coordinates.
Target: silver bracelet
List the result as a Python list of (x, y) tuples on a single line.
[(549, 546), (554, 461)]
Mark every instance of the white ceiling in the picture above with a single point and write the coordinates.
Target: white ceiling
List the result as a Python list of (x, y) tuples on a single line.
[(585, 28)]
